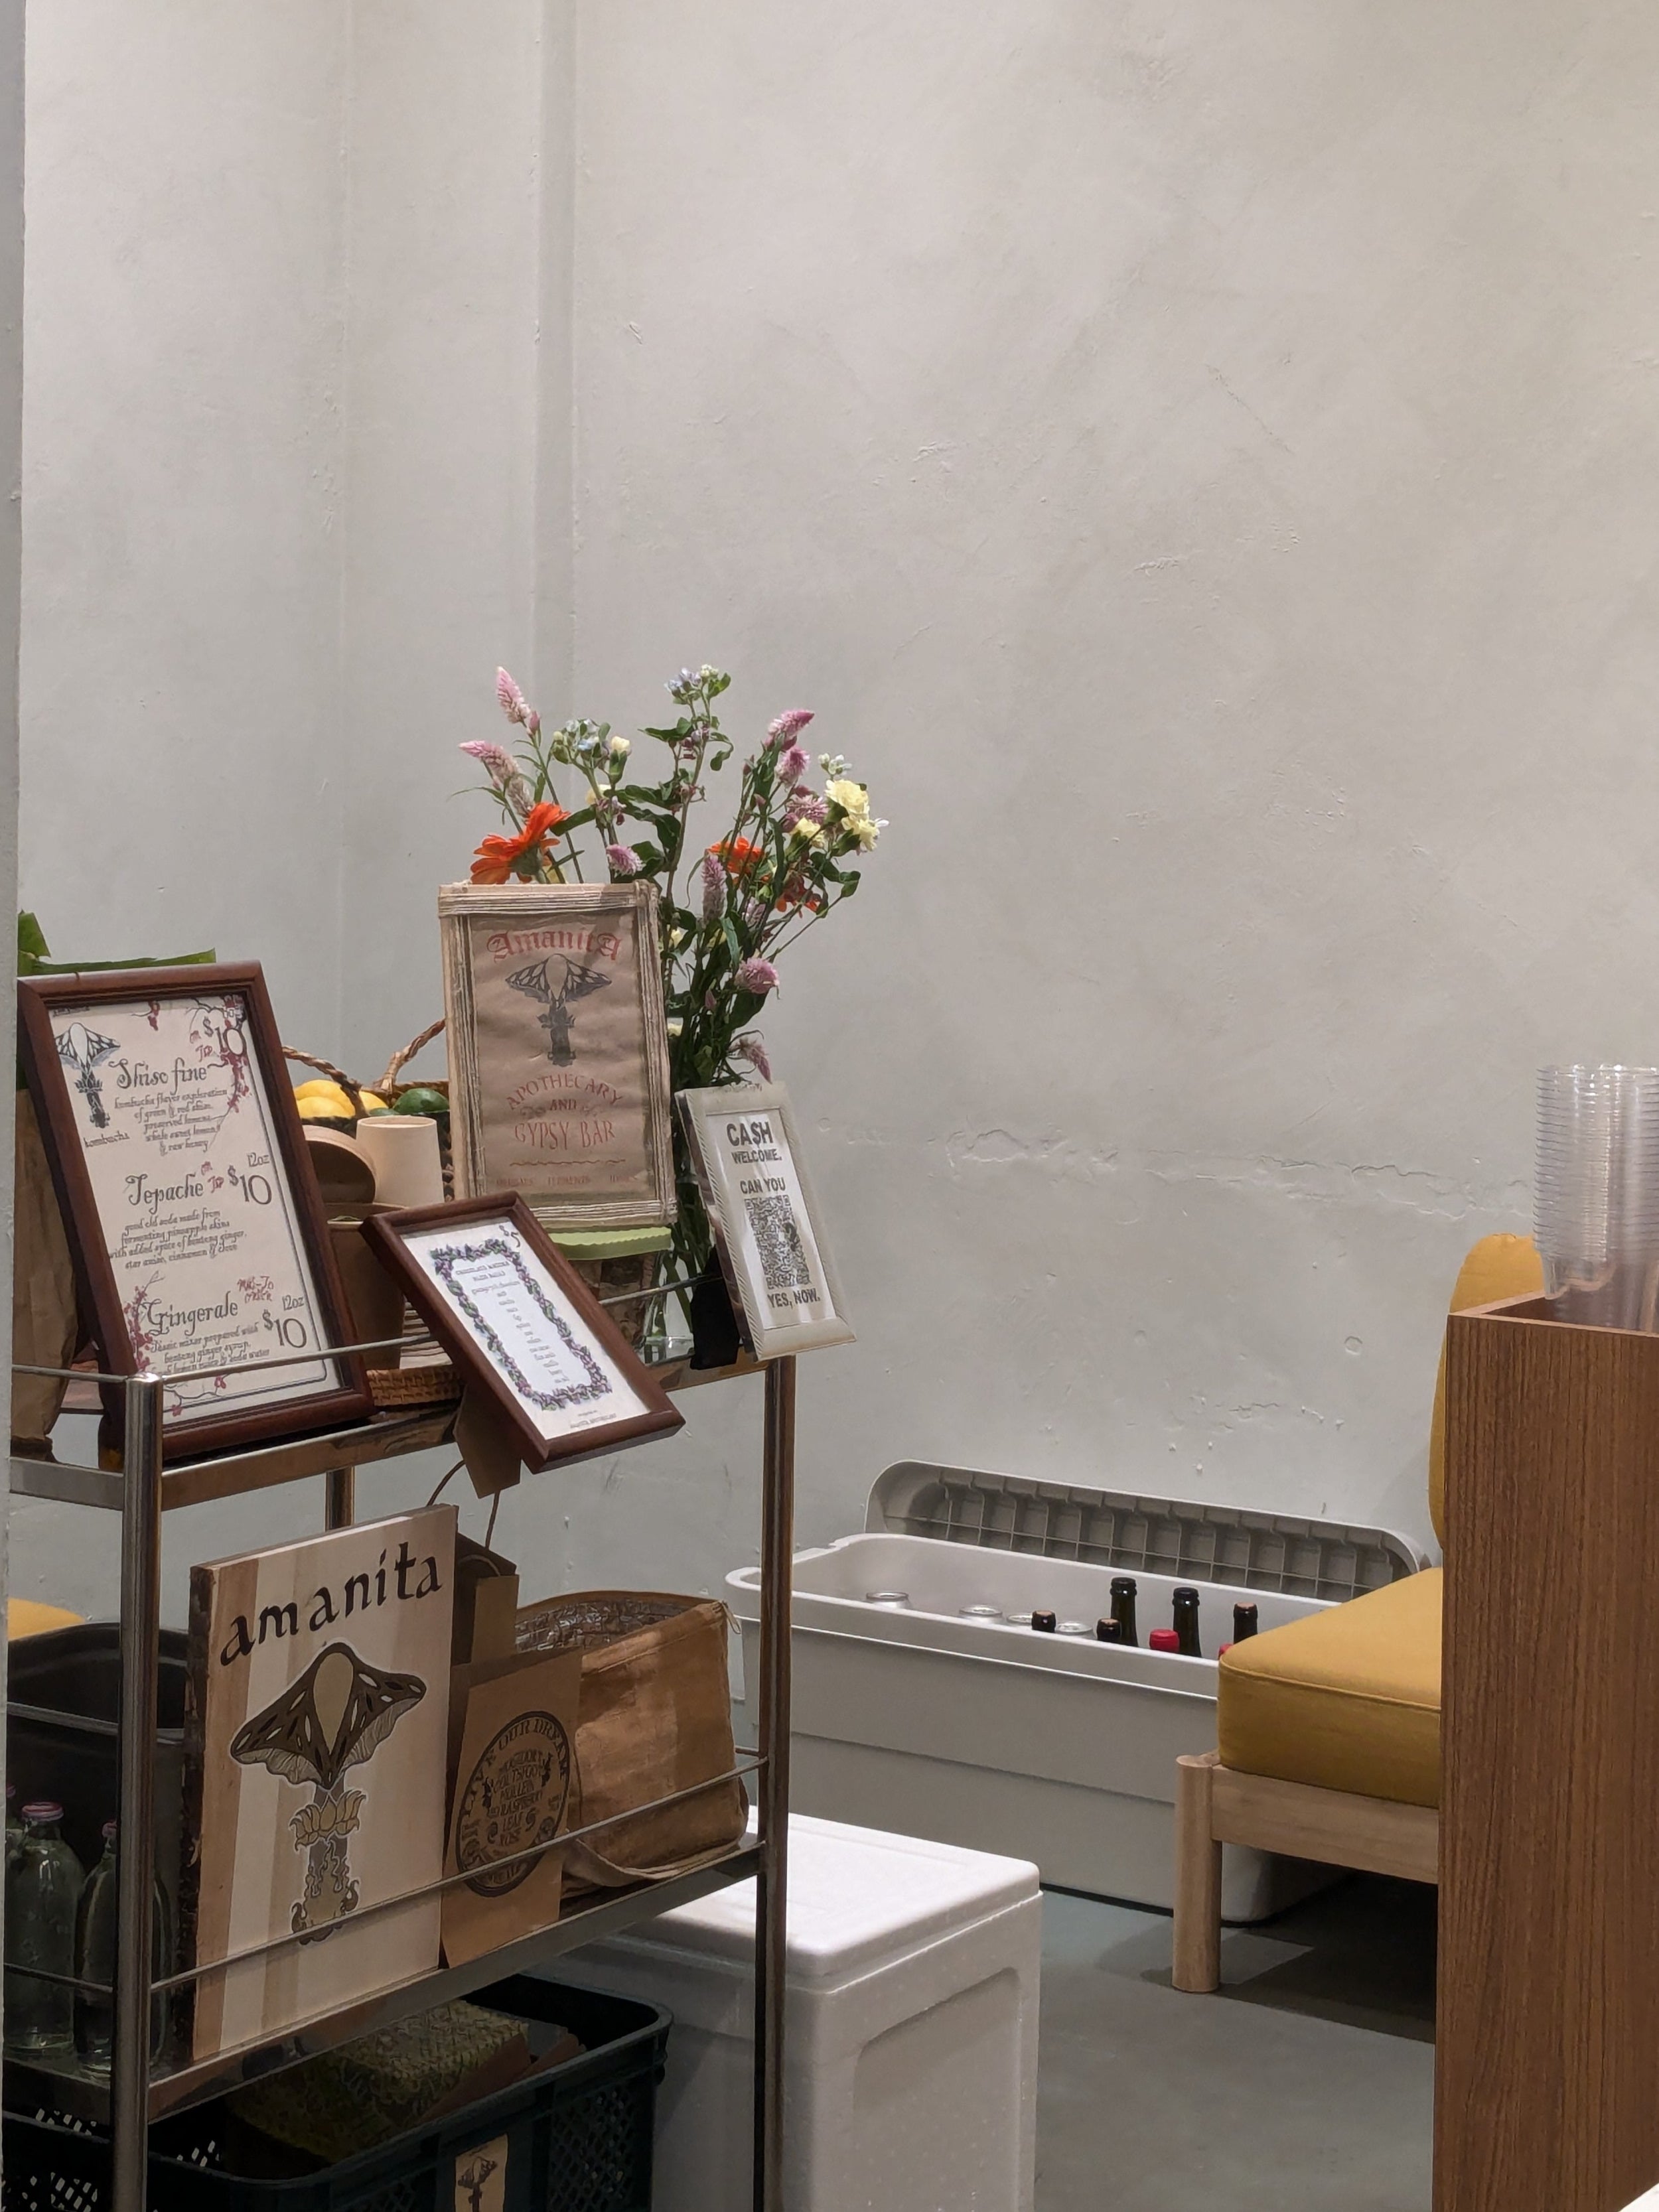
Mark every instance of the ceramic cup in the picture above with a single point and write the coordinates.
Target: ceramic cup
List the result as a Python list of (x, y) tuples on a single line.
[(403, 1150)]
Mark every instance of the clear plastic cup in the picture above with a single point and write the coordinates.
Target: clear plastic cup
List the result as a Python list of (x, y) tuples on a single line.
[(1595, 1195)]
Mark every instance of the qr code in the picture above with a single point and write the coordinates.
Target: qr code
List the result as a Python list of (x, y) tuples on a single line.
[(783, 1256)]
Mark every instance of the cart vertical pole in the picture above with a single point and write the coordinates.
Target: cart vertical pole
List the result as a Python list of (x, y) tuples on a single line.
[(340, 1501), (771, 1887), (141, 1622)]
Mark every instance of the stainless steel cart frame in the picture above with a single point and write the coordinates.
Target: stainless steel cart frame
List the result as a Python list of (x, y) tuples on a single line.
[(141, 1493)]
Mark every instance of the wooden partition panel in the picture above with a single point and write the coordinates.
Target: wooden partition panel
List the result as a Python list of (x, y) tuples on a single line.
[(1547, 2062)]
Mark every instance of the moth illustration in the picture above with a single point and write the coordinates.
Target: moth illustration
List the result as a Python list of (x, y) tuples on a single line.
[(329, 1720), (536, 982), (84, 1050)]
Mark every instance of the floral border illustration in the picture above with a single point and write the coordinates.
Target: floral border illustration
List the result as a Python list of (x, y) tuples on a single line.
[(443, 1264)]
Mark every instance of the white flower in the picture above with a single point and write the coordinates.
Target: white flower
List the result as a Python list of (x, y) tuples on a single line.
[(852, 797), (621, 747)]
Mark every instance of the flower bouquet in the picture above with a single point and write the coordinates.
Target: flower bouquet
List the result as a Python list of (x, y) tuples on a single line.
[(731, 909)]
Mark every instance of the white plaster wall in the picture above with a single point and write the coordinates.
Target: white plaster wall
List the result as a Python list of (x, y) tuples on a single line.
[(1197, 464)]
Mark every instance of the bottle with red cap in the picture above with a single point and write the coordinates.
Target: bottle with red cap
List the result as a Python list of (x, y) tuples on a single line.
[(1163, 1639), (43, 1886)]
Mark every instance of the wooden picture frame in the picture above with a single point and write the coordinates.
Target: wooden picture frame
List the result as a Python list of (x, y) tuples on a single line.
[(135, 1077), (745, 1151), (558, 1050), (539, 1309)]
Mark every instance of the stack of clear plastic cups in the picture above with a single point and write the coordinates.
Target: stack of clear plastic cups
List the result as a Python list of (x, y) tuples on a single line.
[(1596, 1198)]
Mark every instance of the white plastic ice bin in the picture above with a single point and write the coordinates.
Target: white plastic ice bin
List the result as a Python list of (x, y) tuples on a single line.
[(912, 2029), (1003, 1739)]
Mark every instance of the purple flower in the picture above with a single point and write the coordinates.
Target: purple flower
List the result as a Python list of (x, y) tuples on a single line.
[(805, 808), (713, 888), (794, 764), (496, 761), (788, 725), (510, 698), (759, 977), (752, 1047), (754, 914), (624, 861)]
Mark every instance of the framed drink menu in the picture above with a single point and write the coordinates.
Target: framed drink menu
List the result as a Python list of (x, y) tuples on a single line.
[(522, 1327), (198, 1234)]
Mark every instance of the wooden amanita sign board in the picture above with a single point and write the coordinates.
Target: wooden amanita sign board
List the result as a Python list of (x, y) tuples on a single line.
[(316, 1733)]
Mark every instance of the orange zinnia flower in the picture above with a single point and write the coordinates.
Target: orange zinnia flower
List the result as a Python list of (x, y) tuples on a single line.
[(498, 857), (737, 854)]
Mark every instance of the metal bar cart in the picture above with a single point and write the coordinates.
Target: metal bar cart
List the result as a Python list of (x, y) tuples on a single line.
[(141, 1493)]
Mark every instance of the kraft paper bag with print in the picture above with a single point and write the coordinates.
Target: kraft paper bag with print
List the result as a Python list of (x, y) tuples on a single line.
[(316, 1730), (481, 2177), (512, 1737)]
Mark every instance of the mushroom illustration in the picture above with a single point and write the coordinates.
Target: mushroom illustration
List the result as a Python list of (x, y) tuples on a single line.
[(83, 1049), (329, 1719)]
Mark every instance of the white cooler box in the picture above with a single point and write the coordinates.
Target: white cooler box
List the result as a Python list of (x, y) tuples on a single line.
[(911, 2031), (1048, 1746)]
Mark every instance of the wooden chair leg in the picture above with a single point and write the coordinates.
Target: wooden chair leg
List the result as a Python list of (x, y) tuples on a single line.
[(1198, 1879)]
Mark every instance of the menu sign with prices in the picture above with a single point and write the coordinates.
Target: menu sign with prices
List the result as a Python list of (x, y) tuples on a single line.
[(193, 1212)]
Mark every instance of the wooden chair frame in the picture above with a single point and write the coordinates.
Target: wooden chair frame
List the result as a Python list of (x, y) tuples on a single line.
[(1216, 1804)]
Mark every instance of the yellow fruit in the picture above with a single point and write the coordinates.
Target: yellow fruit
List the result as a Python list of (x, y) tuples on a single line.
[(374, 1103), (325, 1109)]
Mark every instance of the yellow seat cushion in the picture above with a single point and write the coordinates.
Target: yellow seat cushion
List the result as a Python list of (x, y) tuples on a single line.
[(1348, 1698), (25, 1616), (1497, 1268)]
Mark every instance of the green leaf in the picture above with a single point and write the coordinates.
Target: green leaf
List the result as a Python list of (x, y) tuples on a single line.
[(729, 932), (31, 939), (849, 882)]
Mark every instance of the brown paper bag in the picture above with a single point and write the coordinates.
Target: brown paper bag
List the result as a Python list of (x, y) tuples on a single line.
[(514, 1784), (45, 1330), (656, 1718)]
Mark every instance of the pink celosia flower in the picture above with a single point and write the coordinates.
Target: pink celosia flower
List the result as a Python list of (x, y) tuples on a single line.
[(713, 887), (794, 764), (757, 976), (805, 807), (788, 725), (624, 861), (509, 698), (497, 764), (752, 1047)]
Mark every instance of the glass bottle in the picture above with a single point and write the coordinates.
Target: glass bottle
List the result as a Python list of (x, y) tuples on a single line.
[(1184, 1620), (1045, 1621), (1109, 1631), (1123, 1607), (94, 1961), (1163, 1639), (1244, 1621), (14, 1825), (43, 1882)]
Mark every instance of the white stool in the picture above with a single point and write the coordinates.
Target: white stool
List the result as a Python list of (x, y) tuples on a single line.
[(912, 2029)]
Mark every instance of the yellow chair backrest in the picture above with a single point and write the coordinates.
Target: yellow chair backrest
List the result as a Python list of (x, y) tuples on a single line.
[(1497, 1267)]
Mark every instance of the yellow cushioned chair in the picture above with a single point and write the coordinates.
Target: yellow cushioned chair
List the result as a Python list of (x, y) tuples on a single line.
[(1328, 1730), (26, 1616)]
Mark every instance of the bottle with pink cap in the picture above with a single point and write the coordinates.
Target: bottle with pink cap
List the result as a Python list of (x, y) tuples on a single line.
[(43, 1886)]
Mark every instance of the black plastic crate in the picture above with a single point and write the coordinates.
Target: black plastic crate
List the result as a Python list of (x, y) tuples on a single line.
[(575, 2139), (63, 1700)]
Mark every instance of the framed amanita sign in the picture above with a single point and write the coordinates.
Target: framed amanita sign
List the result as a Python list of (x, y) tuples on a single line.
[(558, 1049), (198, 1234), (743, 1146), (522, 1327)]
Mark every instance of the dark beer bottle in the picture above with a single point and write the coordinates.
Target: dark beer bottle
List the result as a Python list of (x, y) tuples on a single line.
[(1045, 1621), (1244, 1622), (1109, 1631), (1123, 1607), (1184, 1613)]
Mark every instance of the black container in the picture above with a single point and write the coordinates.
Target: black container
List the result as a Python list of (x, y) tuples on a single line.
[(63, 1700), (575, 2139)]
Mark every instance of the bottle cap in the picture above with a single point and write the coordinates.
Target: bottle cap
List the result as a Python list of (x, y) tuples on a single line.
[(1163, 1639), (1110, 1631), (1185, 1589), (979, 1612), (1019, 1620), (1224, 1649), (1072, 1628), (43, 1810), (893, 1599), (1044, 1621), (1123, 1585)]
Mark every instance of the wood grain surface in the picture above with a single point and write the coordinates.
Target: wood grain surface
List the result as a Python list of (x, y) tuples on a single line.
[(1547, 2064)]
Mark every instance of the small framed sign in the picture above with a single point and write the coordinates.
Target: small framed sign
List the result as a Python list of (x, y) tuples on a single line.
[(522, 1327), (742, 1140), (196, 1231), (558, 1049)]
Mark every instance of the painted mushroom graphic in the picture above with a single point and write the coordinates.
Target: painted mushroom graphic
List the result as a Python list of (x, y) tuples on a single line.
[(329, 1720)]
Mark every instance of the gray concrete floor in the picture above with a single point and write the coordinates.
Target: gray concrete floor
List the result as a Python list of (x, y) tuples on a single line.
[(1306, 2081)]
